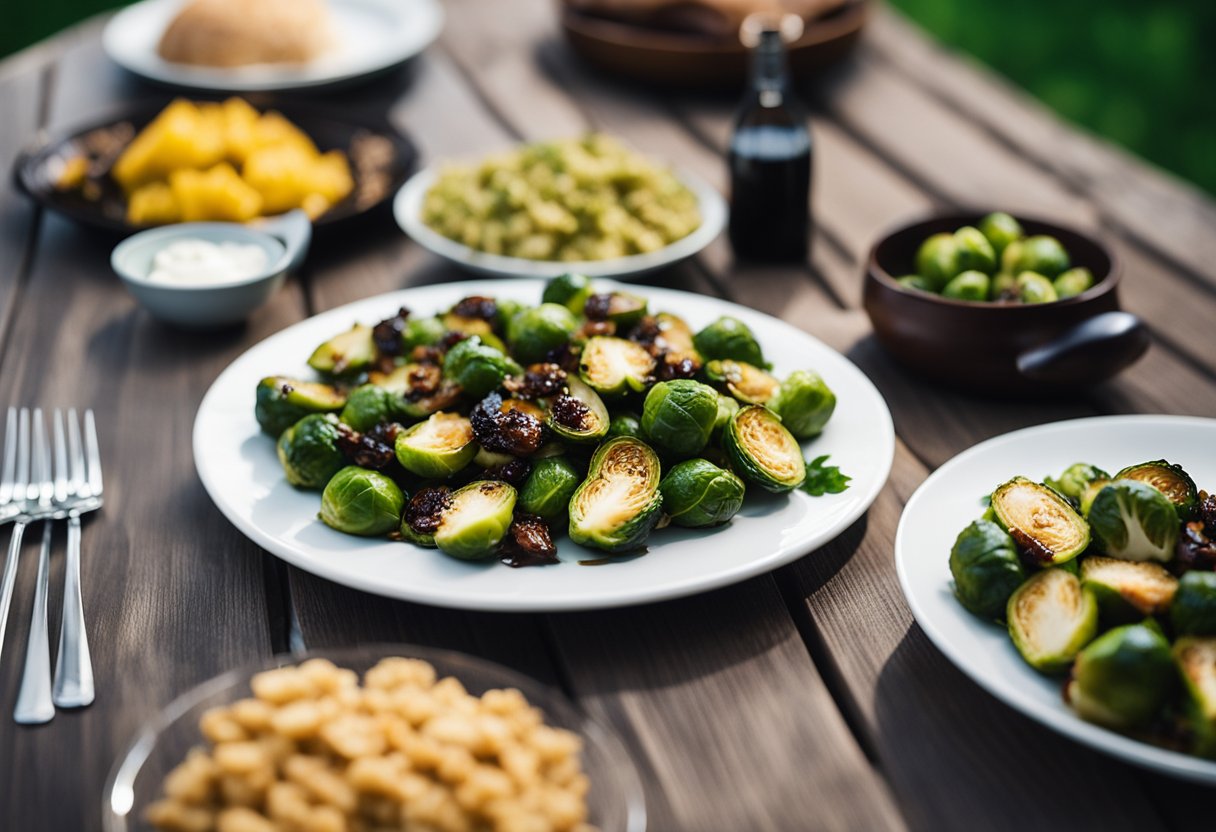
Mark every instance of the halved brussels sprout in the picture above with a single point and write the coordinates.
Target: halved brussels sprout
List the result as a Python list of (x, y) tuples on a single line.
[(986, 568), (476, 520), (1134, 521), (729, 338), (548, 489), (763, 450), (422, 332), (1074, 479), (478, 367), (975, 253), (578, 415), (1196, 658), (346, 353), (362, 502), (805, 403), (697, 493), (1001, 230), (675, 335), (1051, 617), (622, 308), (492, 459), (282, 401), (1034, 288), (1040, 521), (1073, 282), (613, 366), (1126, 590), (1193, 612), (914, 281), (1043, 255), (1123, 678), (937, 260), (370, 405), (308, 451), (534, 333), (1170, 480), (679, 415), (968, 285), (626, 424), (728, 406), (570, 290), (396, 380), (438, 447), (748, 384), (422, 514), (619, 502), (1090, 492)]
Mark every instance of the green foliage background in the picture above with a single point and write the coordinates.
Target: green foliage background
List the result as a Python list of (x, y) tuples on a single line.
[(1140, 72)]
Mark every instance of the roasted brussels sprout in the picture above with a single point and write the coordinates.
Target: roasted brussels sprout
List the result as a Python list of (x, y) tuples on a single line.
[(506, 310), (1043, 255), (346, 353), (547, 490), (975, 253), (986, 568), (362, 502), (422, 514), (613, 366), (534, 333), (478, 367), (1074, 479), (1196, 658), (748, 384), (763, 450), (308, 451), (1134, 521), (1193, 612), (1126, 590), (422, 332), (1090, 492), (370, 405), (805, 403), (729, 338), (570, 290), (1123, 678), (1034, 288), (1073, 282), (679, 415), (626, 424), (476, 519), (937, 260), (1040, 521), (282, 401), (621, 308), (437, 448), (914, 281), (577, 415), (1001, 230), (675, 336), (1170, 480), (619, 502), (1051, 617), (968, 285), (697, 493)]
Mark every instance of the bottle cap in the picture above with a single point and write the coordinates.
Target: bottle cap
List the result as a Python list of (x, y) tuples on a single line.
[(788, 25)]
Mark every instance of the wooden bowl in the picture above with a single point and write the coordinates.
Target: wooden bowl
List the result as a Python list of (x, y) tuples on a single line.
[(689, 60), (1002, 348)]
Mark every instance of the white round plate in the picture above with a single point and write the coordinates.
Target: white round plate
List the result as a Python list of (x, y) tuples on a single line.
[(372, 35), (950, 499), (237, 465), (407, 208)]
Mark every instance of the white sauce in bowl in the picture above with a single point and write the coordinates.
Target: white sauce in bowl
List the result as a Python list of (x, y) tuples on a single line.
[(193, 262)]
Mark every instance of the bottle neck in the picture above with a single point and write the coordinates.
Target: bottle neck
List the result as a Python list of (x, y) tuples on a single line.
[(770, 73)]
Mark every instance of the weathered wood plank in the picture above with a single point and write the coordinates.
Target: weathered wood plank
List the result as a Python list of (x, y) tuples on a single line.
[(20, 97)]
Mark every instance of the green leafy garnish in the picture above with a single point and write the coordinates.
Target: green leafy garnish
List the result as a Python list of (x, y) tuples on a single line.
[(823, 479)]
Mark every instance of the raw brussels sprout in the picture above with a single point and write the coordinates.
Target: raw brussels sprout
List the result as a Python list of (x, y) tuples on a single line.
[(748, 384), (1010, 257), (422, 332), (438, 447), (1073, 282), (1043, 255), (1193, 612), (679, 415), (1123, 678), (1004, 286), (763, 450), (621, 308), (986, 568), (281, 402), (1134, 521), (1034, 288), (937, 260), (570, 290), (578, 415), (1127, 590), (346, 353), (619, 502), (1074, 479), (478, 367), (613, 366), (697, 493), (1040, 521), (1001, 230), (362, 502), (625, 424), (1196, 658), (975, 253), (308, 451), (805, 403), (370, 405), (730, 338), (914, 281), (476, 520), (1051, 617), (547, 490), (968, 285), (1170, 480), (534, 333)]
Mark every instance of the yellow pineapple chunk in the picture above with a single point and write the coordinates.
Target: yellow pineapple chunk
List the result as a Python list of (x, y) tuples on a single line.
[(216, 194), (180, 137), (153, 204)]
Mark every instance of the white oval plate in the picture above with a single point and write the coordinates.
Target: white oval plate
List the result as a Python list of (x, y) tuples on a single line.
[(407, 208), (373, 35), (237, 465), (950, 499)]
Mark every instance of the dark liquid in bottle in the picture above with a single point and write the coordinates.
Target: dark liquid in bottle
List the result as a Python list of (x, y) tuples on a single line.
[(770, 167)]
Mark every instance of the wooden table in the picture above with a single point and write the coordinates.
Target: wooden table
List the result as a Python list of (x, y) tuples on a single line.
[(804, 699)]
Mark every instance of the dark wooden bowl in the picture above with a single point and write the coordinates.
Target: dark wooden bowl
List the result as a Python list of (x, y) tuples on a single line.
[(1003, 348)]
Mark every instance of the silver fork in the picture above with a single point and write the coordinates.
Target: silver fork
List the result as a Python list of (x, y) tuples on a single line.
[(34, 703), (14, 494)]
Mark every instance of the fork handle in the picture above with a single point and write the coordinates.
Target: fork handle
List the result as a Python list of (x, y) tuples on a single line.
[(73, 668), (10, 575), (34, 705)]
